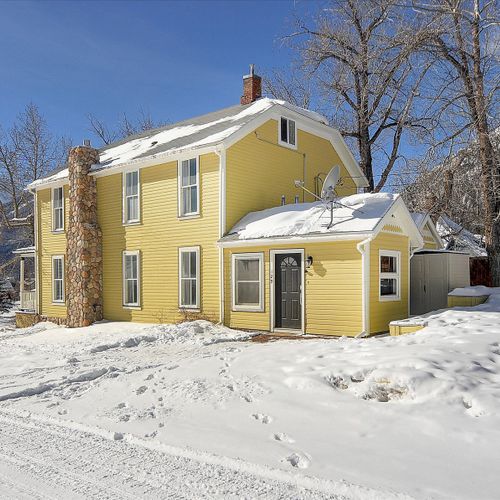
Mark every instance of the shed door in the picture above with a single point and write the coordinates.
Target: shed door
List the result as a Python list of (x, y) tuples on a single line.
[(288, 310)]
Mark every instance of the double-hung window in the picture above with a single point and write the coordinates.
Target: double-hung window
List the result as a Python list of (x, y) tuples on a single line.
[(58, 279), (131, 207), (248, 281), (58, 209), (389, 275), (287, 132), (189, 188), (131, 282), (189, 277)]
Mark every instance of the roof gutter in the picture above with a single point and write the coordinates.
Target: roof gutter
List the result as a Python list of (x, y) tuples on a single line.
[(285, 240)]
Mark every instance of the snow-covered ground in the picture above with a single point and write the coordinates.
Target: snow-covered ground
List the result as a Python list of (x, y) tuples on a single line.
[(121, 410)]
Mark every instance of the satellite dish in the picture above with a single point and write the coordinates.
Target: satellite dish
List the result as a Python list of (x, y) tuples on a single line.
[(331, 181)]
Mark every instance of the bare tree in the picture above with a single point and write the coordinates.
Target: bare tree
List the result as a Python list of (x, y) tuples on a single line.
[(125, 126), (28, 151), (363, 54), (293, 88), (462, 38)]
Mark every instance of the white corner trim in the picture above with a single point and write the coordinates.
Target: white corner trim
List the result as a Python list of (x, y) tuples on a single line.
[(221, 153), (363, 248)]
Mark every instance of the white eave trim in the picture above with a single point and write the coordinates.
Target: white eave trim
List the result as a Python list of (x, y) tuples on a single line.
[(285, 240), (405, 220)]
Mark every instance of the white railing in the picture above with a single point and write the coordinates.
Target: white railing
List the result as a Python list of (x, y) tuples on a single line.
[(28, 300)]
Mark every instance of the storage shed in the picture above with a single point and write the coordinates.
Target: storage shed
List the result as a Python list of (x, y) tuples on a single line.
[(434, 273)]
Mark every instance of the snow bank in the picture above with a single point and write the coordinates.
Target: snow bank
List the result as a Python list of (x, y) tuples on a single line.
[(475, 291), (361, 212)]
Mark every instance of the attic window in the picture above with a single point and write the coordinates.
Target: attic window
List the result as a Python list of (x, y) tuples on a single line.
[(287, 132)]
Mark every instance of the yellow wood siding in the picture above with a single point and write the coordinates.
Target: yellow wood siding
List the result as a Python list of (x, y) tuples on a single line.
[(158, 238), (49, 244), (259, 171), (333, 303), (383, 312)]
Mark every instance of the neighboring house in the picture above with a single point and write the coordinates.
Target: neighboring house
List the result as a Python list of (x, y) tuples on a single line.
[(186, 221), (432, 239)]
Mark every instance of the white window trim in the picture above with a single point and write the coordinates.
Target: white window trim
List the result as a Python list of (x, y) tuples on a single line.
[(247, 256), (283, 143), (195, 307), (396, 275), (188, 215), (124, 198), (63, 300), (61, 229), (126, 304)]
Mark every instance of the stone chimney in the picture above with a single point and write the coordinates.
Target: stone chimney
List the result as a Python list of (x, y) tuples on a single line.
[(84, 241), (252, 87)]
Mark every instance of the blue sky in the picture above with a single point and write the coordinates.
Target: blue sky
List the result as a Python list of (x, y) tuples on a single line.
[(174, 59)]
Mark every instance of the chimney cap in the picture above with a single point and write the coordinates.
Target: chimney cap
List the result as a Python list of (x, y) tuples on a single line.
[(86, 142), (252, 72)]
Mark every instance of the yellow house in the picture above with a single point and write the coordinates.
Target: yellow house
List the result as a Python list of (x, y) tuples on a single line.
[(172, 209), (432, 239)]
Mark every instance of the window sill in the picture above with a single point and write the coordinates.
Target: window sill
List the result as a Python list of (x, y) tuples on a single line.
[(189, 216), (189, 309), (389, 298), (248, 309), (137, 308), (286, 145), (58, 303), (57, 231), (132, 223)]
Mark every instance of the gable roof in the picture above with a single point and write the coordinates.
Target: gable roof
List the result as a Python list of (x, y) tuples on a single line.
[(212, 129), (360, 216), (422, 219)]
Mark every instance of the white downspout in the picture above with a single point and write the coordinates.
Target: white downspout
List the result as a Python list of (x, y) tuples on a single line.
[(221, 153), (363, 248)]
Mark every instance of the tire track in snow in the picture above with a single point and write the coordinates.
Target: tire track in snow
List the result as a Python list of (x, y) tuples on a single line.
[(68, 458)]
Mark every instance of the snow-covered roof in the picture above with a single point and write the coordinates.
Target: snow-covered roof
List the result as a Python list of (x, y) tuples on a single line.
[(202, 131), (419, 218), (24, 250), (457, 237), (359, 214)]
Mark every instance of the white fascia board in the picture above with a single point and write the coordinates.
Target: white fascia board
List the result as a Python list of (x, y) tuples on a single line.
[(137, 164), (404, 218), (289, 240), (307, 125), (150, 161)]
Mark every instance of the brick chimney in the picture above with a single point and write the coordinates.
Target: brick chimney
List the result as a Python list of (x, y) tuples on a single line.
[(252, 87), (84, 241)]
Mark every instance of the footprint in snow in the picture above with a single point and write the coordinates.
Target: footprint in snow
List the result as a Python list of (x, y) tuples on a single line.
[(285, 438), (141, 390), (299, 460), (265, 419)]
